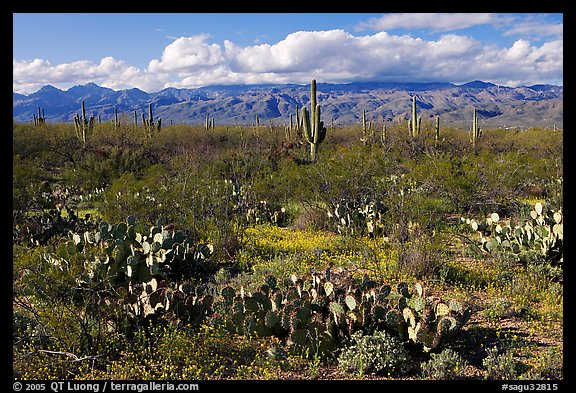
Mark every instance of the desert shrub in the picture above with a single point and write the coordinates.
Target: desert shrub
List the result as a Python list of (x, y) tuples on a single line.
[(167, 351), (145, 197), (421, 256), (99, 166), (311, 218), (499, 308), (172, 351), (57, 310), (30, 188), (549, 365), (378, 353), (444, 365), (501, 365)]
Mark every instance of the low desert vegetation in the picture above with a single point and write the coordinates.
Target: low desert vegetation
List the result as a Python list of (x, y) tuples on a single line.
[(229, 252)]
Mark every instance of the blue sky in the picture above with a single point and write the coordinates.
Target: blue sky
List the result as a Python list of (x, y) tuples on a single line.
[(159, 50)]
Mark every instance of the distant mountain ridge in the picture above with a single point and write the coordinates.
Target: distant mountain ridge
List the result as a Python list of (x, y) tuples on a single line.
[(502, 106)]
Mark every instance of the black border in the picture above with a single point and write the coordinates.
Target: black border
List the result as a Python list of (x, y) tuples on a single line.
[(336, 7)]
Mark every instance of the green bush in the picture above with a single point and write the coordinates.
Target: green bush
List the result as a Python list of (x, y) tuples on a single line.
[(501, 365), (550, 366), (379, 353), (142, 197), (444, 365)]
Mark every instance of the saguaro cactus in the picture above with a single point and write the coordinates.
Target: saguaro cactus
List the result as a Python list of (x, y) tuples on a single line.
[(364, 128), (298, 120), (437, 133), (415, 122), (83, 125), (209, 123), (40, 119), (384, 134), (314, 130), (150, 121), (116, 120), (475, 131)]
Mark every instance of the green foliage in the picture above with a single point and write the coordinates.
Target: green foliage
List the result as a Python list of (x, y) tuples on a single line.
[(90, 288), (30, 188), (142, 197), (550, 366), (498, 309), (179, 352), (379, 353), (100, 167), (501, 365), (444, 365)]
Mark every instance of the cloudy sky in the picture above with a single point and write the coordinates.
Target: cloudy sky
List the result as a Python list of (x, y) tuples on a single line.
[(155, 51)]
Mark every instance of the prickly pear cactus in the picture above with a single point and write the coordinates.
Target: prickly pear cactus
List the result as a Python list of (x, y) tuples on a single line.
[(325, 309), (431, 321), (358, 217), (541, 233), (145, 266)]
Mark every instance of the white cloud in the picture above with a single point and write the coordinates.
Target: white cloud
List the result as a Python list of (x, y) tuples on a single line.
[(524, 25), (187, 53), (32, 75), (536, 29), (333, 56), (434, 21), (522, 63), (223, 75), (299, 51), (518, 51)]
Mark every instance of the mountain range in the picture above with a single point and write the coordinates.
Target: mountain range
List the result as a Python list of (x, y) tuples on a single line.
[(497, 106)]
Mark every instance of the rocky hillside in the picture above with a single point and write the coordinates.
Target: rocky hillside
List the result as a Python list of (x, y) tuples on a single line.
[(498, 106)]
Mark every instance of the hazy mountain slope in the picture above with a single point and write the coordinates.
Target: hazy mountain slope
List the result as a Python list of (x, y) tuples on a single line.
[(525, 106)]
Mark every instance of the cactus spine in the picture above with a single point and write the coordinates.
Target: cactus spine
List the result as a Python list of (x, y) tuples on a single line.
[(475, 132), (314, 129), (83, 125)]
